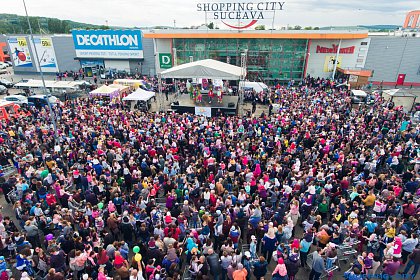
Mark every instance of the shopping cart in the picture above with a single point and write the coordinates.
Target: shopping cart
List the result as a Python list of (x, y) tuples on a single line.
[(329, 274), (8, 170), (346, 252), (13, 197)]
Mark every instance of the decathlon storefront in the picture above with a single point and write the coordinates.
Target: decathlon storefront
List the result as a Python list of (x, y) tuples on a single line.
[(271, 55), (108, 50)]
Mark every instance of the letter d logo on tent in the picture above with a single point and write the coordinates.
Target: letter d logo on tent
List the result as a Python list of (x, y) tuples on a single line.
[(165, 60)]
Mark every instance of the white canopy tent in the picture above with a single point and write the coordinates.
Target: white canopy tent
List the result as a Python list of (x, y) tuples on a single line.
[(105, 91), (140, 95), (357, 92), (400, 97), (50, 84), (398, 93), (207, 68)]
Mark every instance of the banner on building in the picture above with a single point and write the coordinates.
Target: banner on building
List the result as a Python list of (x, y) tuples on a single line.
[(203, 111), (119, 44), (20, 53), (45, 50), (165, 60), (329, 63), (353, 78)]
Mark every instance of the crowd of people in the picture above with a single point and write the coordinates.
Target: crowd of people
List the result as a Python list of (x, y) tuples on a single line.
[(119, 194)]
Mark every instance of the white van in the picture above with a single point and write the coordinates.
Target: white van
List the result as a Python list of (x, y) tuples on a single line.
[(256, 86), (358, 96)]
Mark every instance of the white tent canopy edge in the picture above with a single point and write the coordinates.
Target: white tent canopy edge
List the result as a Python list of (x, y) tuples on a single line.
[(207, 68)]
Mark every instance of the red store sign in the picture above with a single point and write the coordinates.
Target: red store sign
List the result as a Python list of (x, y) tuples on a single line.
[(348, 50)]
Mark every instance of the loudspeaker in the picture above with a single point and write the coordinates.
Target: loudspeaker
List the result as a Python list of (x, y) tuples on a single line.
[(231, 104)]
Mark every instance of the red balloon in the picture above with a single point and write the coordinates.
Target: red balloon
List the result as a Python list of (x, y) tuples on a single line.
[(22, 56)]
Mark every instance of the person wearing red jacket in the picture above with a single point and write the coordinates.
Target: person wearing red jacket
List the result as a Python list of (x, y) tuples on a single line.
[(51, 200)]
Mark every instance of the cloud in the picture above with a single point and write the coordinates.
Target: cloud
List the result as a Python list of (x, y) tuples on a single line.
[(363, 5), (130, 13)]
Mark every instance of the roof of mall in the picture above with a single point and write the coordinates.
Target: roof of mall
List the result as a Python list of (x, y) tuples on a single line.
[(253, 34)]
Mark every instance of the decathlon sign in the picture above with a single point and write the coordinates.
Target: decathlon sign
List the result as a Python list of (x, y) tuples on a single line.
[(108, 44), (240, 15)]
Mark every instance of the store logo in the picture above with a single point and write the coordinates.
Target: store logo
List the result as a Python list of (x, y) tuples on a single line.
[(107, 40), (165, 60), (334, 49), (247, 12)]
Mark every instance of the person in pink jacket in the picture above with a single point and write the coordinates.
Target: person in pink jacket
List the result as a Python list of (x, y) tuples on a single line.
[(397, 247), (280, 272)]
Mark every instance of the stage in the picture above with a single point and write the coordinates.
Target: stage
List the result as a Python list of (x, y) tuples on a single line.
[(229, 105)]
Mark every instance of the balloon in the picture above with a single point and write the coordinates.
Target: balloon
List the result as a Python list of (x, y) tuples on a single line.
[(21, 56), (49, 237), (137, 257), (100, 205), (136, 249), (44, 173)]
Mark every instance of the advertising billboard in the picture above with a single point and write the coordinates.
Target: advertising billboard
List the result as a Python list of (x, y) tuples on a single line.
[(45, 50), (19, 51), (330, 61), (112, 44)]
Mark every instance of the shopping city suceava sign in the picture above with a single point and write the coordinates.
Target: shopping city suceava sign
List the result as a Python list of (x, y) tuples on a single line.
[(108, 44), (246, 13)]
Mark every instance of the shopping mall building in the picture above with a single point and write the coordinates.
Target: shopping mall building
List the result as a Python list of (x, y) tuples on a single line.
[(271, 55)]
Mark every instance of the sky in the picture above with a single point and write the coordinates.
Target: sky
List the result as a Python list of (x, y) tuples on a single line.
[(142, 13)]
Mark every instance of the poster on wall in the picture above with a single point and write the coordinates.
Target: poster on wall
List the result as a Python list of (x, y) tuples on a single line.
[(353, 78), (20, 52), (203, 111), (45, 49), (329, 63)]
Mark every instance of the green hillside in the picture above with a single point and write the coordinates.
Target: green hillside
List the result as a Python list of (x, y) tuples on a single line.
[(15, 24)]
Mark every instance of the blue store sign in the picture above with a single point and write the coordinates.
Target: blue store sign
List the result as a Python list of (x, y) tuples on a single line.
[(113, 44)]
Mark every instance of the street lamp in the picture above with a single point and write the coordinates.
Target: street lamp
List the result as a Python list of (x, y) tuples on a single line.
[(44, 88)]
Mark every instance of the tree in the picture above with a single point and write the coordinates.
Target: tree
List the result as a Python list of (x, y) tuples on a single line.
[(210, 25), (316, 28), (297, 27), (308, 28), (260, 27)]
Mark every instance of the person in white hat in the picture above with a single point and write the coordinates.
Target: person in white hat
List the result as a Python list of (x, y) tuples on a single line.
[(25, 276), (253, 247)]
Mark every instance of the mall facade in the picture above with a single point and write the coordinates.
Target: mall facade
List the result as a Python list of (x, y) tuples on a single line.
[(271, 55)]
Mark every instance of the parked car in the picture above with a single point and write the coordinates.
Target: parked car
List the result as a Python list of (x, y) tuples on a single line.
[(40, 100), (6, 83), (18, 99), (10, 109), (3, 89)]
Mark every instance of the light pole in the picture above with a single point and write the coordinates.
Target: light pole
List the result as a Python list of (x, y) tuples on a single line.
[(336, 60), (44, 88), (244, 56)]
